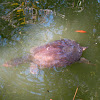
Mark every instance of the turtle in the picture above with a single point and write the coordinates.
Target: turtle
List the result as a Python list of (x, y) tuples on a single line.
[(59, 53)]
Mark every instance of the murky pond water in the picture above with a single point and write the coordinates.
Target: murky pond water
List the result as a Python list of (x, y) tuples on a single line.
[(17, 83)]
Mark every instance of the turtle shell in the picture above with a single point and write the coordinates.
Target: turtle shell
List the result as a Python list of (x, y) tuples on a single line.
[(58, 53)]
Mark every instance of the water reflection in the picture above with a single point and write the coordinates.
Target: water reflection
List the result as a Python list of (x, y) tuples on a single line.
[(98, 1), (18, 83)]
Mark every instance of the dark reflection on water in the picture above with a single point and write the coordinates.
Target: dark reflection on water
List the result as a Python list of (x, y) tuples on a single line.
[(18, 83)]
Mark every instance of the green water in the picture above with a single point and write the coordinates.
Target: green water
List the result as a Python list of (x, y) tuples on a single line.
[(17, 83)]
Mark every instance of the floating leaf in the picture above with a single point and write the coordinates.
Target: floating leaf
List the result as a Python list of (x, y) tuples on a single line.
[(22, 23), (15, 4), (22, 3), (19, 10), (20, 19)]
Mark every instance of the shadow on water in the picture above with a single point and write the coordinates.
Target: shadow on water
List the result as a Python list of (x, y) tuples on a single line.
[(56, 84)]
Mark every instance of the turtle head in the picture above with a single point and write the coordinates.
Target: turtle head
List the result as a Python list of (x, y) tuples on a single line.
[(84, 48)]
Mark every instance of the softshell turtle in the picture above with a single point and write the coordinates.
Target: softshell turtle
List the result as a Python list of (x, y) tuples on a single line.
[(54, 54)]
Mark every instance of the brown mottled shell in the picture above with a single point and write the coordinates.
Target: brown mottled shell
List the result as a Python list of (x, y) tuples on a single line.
[(58, 53)]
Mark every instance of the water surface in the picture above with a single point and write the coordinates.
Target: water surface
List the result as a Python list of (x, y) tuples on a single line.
[(18, 83)]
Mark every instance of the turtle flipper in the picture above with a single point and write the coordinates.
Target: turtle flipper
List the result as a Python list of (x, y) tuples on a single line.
[(34, 68), (84, 60)]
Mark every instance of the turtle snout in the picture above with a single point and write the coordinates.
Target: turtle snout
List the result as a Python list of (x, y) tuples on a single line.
[(84, 48)]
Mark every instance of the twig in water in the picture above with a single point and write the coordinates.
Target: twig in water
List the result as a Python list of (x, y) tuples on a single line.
[(75, 93)]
